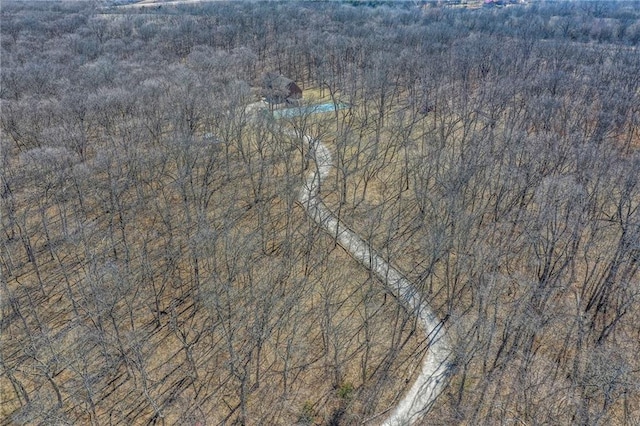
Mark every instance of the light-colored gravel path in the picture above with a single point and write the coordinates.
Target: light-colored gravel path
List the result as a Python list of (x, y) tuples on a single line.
[(435, 367)]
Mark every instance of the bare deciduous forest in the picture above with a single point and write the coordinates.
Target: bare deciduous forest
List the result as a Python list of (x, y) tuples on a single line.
[(157, 268)]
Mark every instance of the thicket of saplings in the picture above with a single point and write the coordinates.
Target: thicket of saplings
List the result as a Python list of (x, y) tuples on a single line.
[(156, 267)]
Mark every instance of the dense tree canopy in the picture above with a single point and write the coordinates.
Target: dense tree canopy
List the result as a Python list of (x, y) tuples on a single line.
[(156, 268)]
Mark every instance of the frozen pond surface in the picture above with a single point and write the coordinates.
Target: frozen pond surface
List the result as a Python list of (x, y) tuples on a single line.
[(311, 109)]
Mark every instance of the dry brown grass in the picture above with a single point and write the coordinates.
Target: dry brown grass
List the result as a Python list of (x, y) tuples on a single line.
[(139, 360), (538, 364)]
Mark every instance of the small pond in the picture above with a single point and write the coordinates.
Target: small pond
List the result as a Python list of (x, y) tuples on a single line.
[(311, 109)]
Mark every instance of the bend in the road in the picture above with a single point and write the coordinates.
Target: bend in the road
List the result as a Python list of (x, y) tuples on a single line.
[(434, 374)]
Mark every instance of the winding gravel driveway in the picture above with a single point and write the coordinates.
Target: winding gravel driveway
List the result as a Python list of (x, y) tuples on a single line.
[(435, 367)]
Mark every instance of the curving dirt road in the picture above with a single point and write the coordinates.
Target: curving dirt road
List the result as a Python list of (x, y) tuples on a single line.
[(435, 367)]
